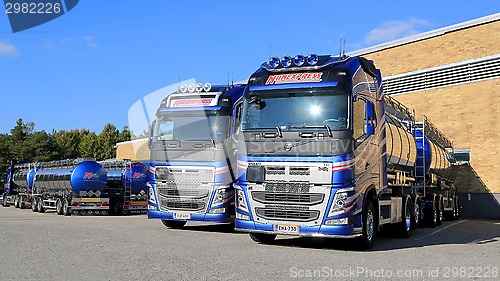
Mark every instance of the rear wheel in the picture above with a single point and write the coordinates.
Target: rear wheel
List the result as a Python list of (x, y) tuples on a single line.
[(41, 209), (405, 226), (174, 224), (34, 205), (417, 212), (21, 203), (16, 202), (369, 226), (430, 211), (439, 210), (59, 207), (263, 238), (457, 208), (4, 203), (65, 208)]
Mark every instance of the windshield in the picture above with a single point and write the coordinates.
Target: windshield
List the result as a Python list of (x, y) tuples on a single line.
[(191, 127), (295, 110)]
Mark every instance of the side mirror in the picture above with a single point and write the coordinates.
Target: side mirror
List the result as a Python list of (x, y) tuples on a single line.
[(151, 131)]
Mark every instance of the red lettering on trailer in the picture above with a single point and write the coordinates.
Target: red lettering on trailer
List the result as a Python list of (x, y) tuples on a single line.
[(295, 78), (88, 175)]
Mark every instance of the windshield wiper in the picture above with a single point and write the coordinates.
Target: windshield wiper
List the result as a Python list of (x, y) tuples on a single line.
[(328, 129), (280, 134)]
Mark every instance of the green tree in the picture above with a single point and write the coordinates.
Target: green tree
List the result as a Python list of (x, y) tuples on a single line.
[(88, 145), (68, 143), (41, 146)]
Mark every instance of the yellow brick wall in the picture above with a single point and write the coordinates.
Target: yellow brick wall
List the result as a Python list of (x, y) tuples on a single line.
[(133, 150), (465, 44)]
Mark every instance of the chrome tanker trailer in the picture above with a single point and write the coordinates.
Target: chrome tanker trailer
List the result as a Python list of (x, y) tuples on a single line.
[(18, 185), (126, 186), (70, 187)]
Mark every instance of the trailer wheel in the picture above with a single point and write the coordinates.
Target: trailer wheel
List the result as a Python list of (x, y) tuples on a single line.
[(65, 208), (41, 209), (417, 212), (59, 208), (34, 205), (174, 224), (4, 203), (457, 208), (405, 226), (16, 202), (439, 210), (431, 212), (369, 226), (263, 238), (21, 203)]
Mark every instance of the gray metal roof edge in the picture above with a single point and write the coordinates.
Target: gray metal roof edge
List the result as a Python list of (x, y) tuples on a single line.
[(425, 35)]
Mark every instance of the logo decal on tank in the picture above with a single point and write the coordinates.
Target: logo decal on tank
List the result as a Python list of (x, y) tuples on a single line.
[(88, 175)]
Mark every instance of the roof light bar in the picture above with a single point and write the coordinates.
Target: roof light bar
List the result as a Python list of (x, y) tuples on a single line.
[(191, 88)]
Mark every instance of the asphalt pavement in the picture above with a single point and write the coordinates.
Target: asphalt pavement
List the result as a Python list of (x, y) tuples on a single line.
[(47, 246)]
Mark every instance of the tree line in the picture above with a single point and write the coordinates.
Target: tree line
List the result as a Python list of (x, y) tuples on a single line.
[(23, 143)]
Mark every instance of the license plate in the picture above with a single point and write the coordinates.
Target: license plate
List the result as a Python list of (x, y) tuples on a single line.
[(182, 216), (286, 228)]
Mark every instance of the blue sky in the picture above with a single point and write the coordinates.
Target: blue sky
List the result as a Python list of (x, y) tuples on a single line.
[(87, 68)]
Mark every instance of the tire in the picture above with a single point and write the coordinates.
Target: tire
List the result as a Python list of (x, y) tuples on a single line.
[(65, 208), (34, 205), (41, 209), (4, 203), (174, 224), (439, 210), (405, 226), (16, 202), (370, 225), (430, 211), (263, 238), (417, 212), (59, 207), (21, 203), (458, 208)]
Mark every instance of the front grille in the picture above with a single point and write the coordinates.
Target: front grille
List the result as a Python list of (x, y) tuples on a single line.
[(306, 199), (184, 174), (290, 215), (183, 205), (181, 192), (288, 187)]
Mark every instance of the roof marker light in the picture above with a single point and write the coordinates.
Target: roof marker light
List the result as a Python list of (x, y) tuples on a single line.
[(299, 60), (199, 87), (286, 61), (191, 88), (274, 62), (183, 88), (207, 87), (312, 59)]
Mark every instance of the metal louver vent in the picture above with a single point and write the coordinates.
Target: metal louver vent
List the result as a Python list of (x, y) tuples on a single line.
[(446, 75)]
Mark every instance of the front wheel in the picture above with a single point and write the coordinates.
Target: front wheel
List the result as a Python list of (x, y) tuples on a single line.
[(366, 241), (405, 226), (174, 224), (263, 238)]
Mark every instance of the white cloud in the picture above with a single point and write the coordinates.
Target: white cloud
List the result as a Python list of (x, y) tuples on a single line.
[(391, 30), (90, 40), (8, 50)]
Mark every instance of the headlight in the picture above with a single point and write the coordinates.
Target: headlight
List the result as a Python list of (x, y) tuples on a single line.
[(241, 202), (338, 204), (221, 196)]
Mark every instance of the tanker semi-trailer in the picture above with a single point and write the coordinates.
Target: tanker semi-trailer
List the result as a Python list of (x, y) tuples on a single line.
[(193, 155), (126, 186), (70, 187), (324, 153), (18, 185)]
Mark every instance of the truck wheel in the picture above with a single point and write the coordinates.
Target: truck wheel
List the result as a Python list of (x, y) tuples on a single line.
[(21, 203), (59, 208), (417, 212), (4, 203), (263, 238), (174, 224), (369, 226), (16, 202), (458, 208), (66, 209), (431, 212), (34, 205), (405, 226), (439, 210), (41, 209)]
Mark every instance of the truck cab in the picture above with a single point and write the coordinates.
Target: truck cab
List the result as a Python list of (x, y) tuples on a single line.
[(193, 155)]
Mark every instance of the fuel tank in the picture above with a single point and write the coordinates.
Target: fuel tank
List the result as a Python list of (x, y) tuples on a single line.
[(86, 175), (118, 171)]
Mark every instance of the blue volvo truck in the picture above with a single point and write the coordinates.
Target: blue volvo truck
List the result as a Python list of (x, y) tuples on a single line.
[(324, 153), (18, 185), (193, 155)]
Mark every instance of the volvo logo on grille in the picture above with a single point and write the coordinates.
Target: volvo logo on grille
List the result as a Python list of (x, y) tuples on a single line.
[(288, 146)]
